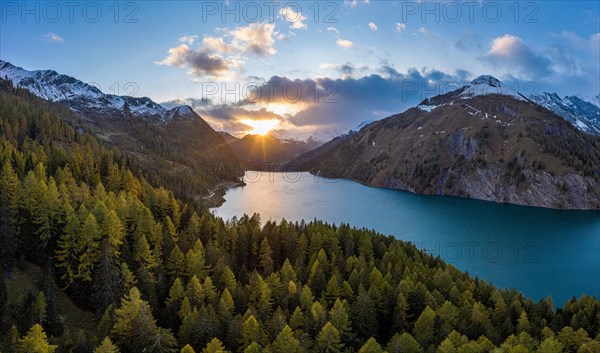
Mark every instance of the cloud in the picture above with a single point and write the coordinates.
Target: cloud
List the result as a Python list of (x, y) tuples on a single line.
[(255, 38), (344, 43), (354, 3), (200, 61), (510, 52), (295, 18), (220, 56), (333, 30), (217, 44), (400, 26), (347, 69), (372, 26), (53, 38), (330, 104), (188, 39)]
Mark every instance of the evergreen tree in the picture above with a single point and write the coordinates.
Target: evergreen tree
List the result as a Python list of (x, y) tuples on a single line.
[(371, 346), (215, 346), (135, 327), (286, 343), (424, 330), (328, 340), (107, 347), (9, 182), (35, 341)]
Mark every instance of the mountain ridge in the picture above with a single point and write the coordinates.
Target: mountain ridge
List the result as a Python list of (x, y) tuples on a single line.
[(490, 146), (171, 145)]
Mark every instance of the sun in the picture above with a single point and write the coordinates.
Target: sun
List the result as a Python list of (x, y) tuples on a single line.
[(260, 127)]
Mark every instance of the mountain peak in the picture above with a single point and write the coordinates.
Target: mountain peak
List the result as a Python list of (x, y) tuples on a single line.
[(5, 65), (487, 80)]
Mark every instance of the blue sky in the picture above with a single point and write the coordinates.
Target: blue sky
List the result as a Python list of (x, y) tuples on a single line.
[(365, 59)]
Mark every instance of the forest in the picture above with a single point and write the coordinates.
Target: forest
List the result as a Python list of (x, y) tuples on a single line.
[(119, 264)]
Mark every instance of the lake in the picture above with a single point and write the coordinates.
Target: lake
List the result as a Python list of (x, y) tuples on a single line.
[(537, 251)]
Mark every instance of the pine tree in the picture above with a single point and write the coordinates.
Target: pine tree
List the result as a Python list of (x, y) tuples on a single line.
[(328, 340), (251, 331), (286, 343), (215, 346), (403, 343), (265, 257), (253, 348), (88, 246), (35, 341), (67, 252), (187, 349), (371, 346), (107, 347), (163, 341), (424, 327), (135, 326), (176, 263), (9, 182)]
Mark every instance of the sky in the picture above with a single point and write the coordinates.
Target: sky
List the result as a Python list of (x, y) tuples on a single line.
[(305, 68)]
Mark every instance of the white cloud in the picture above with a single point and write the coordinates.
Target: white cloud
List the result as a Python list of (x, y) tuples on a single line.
[(188, 39), (333, 30), (512, 53), (400, 26), (295, 18), (216, 44), (54, 38), (372, 26), (255, 38), (220, 56), (344, 43), (354, 3)]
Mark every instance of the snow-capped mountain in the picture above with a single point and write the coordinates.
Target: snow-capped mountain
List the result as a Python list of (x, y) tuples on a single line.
[(80, 96), (481, 86), (583, 112)]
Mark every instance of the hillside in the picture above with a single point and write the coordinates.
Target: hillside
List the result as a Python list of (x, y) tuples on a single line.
[(268, 152), (174, 146), (481, 141), (150, 273)]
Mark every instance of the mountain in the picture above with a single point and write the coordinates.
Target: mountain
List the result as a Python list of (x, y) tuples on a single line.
[(360, 126), (172, 145), (268, 152), (480, 141), (82, 97), (583, 112)]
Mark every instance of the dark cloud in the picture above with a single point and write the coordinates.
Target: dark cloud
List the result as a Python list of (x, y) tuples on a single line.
[(345, 102), (199, 61)]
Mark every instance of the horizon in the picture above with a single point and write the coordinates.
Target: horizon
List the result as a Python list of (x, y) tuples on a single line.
[(215, 55)]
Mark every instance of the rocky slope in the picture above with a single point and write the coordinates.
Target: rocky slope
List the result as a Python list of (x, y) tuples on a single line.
[(481, 141)]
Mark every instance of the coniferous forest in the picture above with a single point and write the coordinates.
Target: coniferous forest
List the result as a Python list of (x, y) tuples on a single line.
[(95, 258)]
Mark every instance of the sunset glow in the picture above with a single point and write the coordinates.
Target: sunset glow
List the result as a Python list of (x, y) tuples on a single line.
[(260, 127)]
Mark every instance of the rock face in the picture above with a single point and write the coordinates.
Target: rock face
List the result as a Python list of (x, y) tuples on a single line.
[(477, 142)]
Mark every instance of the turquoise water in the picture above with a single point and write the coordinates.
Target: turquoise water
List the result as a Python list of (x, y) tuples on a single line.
[(537, 251)]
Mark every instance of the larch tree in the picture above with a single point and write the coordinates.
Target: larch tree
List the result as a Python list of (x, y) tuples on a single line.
[(35, 341)]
